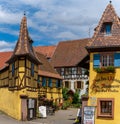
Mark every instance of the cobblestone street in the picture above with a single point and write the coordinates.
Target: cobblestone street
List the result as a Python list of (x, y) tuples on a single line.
[(61, 117)]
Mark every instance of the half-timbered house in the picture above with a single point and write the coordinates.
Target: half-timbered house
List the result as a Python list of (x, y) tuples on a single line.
[(69, 59), (26, 75), (104, 83)]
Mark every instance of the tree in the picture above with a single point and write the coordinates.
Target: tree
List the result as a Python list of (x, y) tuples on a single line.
[(76, 98), (64, 92)]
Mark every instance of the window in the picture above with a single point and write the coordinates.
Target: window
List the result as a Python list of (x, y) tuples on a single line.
[(32, 69), (62, 71), (50, 82), (66, 71), (58, 83), (43, 81), (74, 70), (107, 60), (105, 108), (108, 28), (67, 84), (13, 69), (80, 84)]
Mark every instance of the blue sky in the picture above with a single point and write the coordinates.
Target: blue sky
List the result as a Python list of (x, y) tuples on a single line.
[(50, 21)]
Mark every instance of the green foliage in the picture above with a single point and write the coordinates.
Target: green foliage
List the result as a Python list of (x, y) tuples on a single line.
[(78, 105), (111, 69), (105, 69), (64, 92), (66, 104), (76, 98)]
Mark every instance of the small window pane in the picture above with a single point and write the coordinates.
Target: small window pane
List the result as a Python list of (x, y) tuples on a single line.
[(108, 29)]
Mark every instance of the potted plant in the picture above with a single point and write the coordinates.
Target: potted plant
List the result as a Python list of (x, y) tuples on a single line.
[(107, 69)]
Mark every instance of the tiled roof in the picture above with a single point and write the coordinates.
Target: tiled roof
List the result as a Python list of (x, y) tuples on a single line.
[(46, 69), (4, 56), (24, 43), (70, 53), (100, 40), (47, 51)]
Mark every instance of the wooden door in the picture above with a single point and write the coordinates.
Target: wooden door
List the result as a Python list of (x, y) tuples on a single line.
[(23, 109)]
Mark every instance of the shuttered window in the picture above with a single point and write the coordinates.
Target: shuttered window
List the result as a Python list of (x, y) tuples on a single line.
[(67, 84), (80, 85), (106, 59)]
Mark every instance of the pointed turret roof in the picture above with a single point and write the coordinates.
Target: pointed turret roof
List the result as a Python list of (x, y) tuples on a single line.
[(100, 40), (24, 43)]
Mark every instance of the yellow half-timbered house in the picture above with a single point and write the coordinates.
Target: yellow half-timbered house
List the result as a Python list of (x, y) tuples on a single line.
[(104, 80), (25, 77)]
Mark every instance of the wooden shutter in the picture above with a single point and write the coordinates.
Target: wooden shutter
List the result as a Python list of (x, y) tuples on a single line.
[(63, 84), (96, 60), (117, 59), (69, 84), (75, 85), (82, 84)]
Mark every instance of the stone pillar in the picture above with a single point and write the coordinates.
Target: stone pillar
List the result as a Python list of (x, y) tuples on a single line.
[(84, 103)]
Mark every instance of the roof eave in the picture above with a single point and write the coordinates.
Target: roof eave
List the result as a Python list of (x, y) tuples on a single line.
[(104, 48)]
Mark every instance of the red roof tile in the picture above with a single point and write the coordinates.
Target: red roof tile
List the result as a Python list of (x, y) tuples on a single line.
[(70, 53), (45, 69), (4, 56), (24, 44), (46, 50), (100, 40)]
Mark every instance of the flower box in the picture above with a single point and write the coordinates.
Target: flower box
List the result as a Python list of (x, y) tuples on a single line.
[(108, 69)]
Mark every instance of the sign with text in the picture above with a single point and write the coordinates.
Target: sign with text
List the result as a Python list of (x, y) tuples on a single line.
[(89, 115)]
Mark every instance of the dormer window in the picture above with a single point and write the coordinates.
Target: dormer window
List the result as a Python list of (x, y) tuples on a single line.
[(108, 28)]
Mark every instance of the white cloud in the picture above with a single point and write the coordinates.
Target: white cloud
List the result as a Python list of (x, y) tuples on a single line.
[(67, 35), (9, 17), (54, 19), (7, 46)]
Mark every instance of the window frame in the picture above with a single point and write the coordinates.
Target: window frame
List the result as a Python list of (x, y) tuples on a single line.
[(67, 85), (108, 26), (44, 82), (80, 85), (13, 69), (105, 115), (32, 69), (108, 59)]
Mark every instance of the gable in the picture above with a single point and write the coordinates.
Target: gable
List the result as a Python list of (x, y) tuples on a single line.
[(107, 33)]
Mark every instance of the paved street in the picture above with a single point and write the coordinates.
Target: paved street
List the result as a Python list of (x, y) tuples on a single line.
[(60, 117)]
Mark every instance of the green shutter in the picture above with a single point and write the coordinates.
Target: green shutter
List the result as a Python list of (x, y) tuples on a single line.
[(117, 59), (96, 60)]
